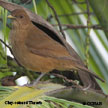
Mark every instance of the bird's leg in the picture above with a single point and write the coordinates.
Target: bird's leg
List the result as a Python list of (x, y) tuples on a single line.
[(34, 84), (38, 79)]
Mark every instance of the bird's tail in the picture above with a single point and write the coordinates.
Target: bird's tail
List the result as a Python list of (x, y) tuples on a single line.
[(89, 72)]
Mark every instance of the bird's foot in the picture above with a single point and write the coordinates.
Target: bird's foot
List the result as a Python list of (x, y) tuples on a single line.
[(28, 85)]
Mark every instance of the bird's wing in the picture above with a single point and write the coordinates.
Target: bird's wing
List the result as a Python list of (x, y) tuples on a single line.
[(39, 43)]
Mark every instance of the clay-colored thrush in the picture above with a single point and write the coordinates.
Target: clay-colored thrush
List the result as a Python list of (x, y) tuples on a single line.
[(85, 78), (38, 51)]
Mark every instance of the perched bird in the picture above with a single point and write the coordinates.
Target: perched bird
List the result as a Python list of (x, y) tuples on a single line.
[(38, 51), (86, 79)]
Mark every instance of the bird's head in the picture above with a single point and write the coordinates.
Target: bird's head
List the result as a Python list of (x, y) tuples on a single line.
[(19, 18)]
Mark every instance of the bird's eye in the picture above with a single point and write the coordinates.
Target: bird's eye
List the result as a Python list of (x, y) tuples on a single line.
[(21, 16)]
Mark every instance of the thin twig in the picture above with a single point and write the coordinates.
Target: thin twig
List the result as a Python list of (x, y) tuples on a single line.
[(88, 36), (71, 26), (10, 51), (63, 77), (56, 16), (5, 44)]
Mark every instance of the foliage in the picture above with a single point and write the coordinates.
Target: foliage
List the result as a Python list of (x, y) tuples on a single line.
[(26, 94)]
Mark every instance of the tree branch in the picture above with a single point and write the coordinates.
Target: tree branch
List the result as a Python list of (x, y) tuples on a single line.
[(71, 26), (56, 16)]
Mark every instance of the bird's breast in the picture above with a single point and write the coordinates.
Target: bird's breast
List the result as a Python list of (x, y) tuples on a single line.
[(17, 41)]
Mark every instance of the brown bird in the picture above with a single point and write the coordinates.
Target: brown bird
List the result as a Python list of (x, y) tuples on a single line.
[(36, 50), (85, 78)]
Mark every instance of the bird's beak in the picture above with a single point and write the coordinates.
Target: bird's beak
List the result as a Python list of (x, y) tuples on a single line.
[(11, 17)]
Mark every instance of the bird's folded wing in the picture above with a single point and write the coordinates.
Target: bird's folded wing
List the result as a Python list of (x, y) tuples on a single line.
[(41, 44)]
